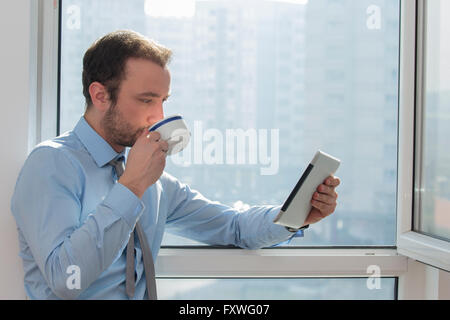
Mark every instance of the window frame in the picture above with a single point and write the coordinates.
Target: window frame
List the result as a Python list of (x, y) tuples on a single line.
[(44, 72), (286, 262), (280, 262), (424, 248)]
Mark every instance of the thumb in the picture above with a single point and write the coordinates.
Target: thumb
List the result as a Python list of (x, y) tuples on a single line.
[(144, 134)]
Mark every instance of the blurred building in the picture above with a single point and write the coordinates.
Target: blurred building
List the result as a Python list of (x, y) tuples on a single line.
[(319, 72)]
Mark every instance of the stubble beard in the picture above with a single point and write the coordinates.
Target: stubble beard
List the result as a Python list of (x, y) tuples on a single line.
[(118, 130)]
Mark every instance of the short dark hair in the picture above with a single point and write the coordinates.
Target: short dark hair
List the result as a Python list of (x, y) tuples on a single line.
[(105, 60)]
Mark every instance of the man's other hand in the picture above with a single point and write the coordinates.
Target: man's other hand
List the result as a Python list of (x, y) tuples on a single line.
[(324, 200)]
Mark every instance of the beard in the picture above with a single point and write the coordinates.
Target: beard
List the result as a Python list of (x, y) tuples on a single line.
[(118, 130)]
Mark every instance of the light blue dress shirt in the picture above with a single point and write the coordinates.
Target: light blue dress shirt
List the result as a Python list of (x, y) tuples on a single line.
[(70, 211)]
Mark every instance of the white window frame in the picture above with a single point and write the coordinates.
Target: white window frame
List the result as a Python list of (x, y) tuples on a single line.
[(44, 35), (410, 243), (281, 262)]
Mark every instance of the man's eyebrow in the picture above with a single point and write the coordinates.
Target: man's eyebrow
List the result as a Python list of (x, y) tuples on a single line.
[(152, 94)]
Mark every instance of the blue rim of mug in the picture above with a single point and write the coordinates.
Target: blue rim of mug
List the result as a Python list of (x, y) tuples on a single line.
[(157, 125)]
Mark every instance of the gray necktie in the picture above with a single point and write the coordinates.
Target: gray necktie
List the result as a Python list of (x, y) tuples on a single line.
[(146, 251)]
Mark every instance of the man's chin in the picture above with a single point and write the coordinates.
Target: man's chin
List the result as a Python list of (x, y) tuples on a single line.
[(133, 140), (129, 141)]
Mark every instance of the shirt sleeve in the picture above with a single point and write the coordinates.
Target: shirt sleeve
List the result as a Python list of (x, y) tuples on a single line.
[(47, 208), (191, 215)]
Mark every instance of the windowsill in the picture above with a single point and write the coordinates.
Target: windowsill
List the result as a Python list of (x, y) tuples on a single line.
[(279, 262)]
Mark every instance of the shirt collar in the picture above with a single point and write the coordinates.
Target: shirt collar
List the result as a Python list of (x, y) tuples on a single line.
[(99, 149)]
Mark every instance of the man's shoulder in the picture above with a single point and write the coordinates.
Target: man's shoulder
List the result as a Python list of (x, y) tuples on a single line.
[(49, 159), (65, 141), (65, 145)]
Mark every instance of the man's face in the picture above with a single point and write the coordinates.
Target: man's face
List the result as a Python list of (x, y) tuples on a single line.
[(139, 102)]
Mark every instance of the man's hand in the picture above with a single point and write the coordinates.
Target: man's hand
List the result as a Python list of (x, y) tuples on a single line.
[(145, 163), (324, 200)]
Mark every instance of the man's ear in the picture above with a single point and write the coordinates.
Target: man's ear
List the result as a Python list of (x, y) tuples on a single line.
[(99, 96)]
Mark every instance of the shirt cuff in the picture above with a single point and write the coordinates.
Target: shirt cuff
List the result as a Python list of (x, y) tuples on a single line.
[(297, 234), (124, 203), (281, 230)]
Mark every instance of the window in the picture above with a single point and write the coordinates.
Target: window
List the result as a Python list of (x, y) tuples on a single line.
[(276, 289), (286, 84), (424, 235), (433, 214)]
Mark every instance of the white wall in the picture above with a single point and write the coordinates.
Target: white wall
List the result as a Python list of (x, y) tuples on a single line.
[(14, 90), (423, 282)]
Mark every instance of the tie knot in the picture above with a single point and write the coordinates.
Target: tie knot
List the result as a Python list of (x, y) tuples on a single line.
[(119, 159), (118, 165)]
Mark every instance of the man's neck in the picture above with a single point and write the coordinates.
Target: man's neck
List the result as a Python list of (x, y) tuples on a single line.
[(96, 125)]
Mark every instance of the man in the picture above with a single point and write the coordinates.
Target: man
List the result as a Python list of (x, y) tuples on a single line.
[(76, 211)]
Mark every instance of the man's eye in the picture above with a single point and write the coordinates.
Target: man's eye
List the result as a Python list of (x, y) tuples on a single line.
[(146, 100)]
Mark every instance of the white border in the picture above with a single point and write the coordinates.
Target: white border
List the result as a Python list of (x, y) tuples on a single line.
[(409, 243)]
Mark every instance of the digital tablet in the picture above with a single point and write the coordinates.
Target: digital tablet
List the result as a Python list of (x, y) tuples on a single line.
[(296, 208)]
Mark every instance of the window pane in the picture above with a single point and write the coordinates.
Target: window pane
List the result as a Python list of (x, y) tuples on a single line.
[(277, 289), (434, 218), (288, 77)]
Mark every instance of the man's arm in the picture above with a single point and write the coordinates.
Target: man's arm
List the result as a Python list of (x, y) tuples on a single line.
[(191, 215), (47, 208)]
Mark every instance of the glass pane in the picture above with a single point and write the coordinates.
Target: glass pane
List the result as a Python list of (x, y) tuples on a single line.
[(434, 216), (288, 77), (277, 289)]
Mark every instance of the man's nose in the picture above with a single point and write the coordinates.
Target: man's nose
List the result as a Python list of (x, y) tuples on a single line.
[(156, 115)]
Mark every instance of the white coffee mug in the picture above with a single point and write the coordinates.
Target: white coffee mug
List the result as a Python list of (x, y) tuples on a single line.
[(173, 129)]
